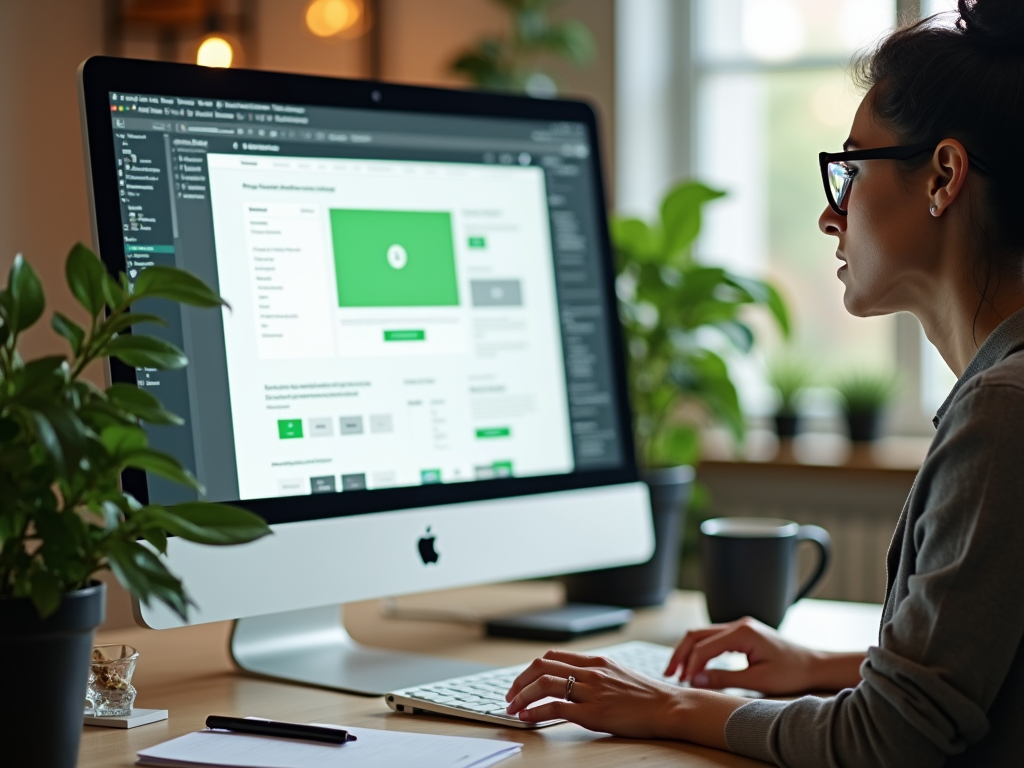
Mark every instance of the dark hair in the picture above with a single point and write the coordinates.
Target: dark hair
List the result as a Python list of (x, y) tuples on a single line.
[(965, 81)]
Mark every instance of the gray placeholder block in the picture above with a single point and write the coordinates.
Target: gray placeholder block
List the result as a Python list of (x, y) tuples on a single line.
[(321, 427), (353, 482), (325, 484), (496, 293), (381, 423), (351, 425)]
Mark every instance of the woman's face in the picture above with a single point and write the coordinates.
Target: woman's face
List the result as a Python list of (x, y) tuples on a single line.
[(883, 239)]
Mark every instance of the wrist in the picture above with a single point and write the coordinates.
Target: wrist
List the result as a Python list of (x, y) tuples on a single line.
[(834, 671), (699, 716)]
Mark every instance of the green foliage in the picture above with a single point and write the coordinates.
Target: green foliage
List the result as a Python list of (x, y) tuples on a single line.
[(666, 301), (789, 376), (64, 444), (862, 392), (515, 62)]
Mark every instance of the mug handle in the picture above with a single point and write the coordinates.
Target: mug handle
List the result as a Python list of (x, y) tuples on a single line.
[(820, 537)]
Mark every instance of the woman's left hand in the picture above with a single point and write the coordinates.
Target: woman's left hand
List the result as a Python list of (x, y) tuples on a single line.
[(605, 697)]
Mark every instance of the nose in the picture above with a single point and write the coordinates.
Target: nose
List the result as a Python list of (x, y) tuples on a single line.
[(831, 223)]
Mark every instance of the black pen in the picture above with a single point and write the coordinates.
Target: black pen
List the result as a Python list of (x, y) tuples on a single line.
[(260, 727)]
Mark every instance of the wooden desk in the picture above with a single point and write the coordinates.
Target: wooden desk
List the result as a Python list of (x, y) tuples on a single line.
[(188, 671)]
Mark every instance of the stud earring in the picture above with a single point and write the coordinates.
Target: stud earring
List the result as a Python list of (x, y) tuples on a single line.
[(934, 210)]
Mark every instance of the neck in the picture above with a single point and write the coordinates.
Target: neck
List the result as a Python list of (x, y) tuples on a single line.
[(959, 319)]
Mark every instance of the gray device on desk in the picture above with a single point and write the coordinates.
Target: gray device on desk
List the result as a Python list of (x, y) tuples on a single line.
[(420, 381)]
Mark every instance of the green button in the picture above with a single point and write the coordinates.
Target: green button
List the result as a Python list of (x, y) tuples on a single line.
[(430, 476), (493, 432), (405, 335), (134, 248), (502, 468), (477, 242), (288, 429)]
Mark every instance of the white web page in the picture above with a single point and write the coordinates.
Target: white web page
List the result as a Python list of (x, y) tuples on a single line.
[(393, 323)]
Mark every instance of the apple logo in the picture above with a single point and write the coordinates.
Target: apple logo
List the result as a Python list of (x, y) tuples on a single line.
[(426, 546)]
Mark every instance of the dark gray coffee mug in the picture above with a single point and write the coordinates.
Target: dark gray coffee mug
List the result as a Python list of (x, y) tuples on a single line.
[(750, 566)]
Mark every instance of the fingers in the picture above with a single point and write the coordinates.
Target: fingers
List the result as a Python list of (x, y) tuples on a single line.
[(540, 667), (545, 686), (686, 645), (717, 679), (553, 710), (737, 638), (577, 659)]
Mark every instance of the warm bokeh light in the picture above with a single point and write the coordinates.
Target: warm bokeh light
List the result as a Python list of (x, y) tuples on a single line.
[(215, 52), (326, 18)]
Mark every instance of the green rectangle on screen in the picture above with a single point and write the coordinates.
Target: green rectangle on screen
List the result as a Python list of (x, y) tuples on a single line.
[(477, 242), (502, 468), (288, 429), (493, 432), (394, 258), (405, 335)]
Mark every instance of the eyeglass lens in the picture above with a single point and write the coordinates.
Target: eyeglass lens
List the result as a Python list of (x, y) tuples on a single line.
[(839, 179)]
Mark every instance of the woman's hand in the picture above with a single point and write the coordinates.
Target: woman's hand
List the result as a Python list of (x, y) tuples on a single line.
[(775, 666), (605, 697), (609, 698)]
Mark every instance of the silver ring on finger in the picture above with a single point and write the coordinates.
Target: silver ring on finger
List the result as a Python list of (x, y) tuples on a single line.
[(568, 687)]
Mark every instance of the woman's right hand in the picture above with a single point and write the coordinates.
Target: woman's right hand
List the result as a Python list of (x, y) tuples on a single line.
[(775, 665)]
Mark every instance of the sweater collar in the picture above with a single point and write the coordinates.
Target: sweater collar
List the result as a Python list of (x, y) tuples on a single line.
[(1007, 338)]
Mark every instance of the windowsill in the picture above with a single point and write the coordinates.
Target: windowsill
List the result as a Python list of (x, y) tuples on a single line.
[(817, 449)]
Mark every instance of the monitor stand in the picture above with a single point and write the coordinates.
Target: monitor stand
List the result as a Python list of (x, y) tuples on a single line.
[(311, 646)]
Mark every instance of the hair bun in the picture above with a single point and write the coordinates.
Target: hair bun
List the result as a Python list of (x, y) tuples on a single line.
[(993, 23)]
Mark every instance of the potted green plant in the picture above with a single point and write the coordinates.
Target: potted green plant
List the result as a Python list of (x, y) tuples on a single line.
[(669, 304), (864, 396), (515, 62), (63, 515), (789, 377)]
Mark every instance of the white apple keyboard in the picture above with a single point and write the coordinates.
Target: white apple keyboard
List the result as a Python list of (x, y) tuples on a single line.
[(482, 696)]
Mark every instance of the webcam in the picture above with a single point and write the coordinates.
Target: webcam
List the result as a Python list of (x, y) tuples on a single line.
[(376, 96)]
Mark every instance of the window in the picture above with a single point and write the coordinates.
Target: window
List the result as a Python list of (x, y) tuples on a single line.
[(763, 86)]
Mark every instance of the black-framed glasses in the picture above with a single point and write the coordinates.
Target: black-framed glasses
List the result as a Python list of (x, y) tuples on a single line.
[(838, 177)]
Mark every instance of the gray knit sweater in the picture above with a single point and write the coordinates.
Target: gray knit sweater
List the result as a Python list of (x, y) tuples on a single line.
[(945, 686)]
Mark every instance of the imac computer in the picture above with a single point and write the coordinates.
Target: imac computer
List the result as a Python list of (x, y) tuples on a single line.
[(419, 383)]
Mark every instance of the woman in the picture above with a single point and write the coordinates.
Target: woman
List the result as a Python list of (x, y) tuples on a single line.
[(935, 228)]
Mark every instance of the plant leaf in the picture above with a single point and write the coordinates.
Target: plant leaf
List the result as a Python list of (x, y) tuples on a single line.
[(161, 464), (121, 441), (24, 295), (85, 275), (146, 352), (139, 403), (177, 285), (69, 329), (46, 592), (207, 523), (681, 214)]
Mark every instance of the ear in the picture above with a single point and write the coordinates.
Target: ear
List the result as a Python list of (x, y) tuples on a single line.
[(949, 171)]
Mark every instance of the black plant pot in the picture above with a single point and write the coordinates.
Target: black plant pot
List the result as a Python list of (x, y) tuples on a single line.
[(864, 426), (786, 425), (46, 670), (647, 584)]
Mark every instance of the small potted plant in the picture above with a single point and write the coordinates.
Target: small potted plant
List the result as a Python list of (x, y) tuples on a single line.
[(788, 377), (667, 304), (63, 516), (864, 396)]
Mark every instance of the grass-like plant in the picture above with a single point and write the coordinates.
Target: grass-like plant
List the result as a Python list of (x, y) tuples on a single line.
[(865, 392), (788, 376), (666, 302), (64, 443)]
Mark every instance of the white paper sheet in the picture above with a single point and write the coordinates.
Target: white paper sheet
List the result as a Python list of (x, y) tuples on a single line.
[(372, 749)]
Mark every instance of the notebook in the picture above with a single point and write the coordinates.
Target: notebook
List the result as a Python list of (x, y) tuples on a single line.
[(373, 749)]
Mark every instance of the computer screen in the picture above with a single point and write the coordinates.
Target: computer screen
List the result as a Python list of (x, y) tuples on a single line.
[(416, 299)]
